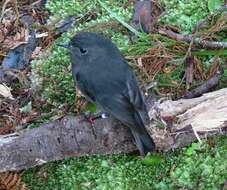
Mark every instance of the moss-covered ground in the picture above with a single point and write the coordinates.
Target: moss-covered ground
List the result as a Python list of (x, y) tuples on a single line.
[(196, 167), (199, 166)]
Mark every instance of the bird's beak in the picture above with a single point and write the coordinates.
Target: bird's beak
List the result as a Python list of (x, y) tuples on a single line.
[(64, 45)]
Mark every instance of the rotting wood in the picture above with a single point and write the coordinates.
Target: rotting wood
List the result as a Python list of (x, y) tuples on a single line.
[(186, 118)]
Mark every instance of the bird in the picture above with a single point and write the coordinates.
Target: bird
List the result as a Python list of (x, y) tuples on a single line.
[(104, 77)]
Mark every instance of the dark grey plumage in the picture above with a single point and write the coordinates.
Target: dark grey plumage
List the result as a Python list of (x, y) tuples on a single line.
[(104, 77)]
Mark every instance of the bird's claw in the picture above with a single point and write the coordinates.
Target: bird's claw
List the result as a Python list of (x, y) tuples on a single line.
[(90, 118)]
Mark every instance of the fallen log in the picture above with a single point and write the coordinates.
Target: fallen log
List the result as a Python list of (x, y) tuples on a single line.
[(60, 139), (174, 124)]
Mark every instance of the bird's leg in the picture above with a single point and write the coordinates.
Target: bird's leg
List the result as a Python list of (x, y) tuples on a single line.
[(100, 115), (91, 117)]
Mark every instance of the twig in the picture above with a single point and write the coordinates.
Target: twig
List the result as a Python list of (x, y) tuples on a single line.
[(189, 70), (197, 135), (196, 40), (119, 19), (205, 87), (3, 9)]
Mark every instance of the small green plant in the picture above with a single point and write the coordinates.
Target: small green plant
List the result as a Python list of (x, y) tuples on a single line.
[(215, 4), (97, 172), (203, 167), (56, 77), (184, 13), (194, 167)]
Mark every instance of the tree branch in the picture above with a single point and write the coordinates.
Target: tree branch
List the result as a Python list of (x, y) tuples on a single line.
[(60, 139), (196, 40), (183, 121)]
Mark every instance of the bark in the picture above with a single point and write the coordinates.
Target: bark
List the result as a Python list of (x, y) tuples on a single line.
[(70, 136), (187, 120), (174, 124)]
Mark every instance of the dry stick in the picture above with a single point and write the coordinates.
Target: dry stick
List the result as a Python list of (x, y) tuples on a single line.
[(189, 67), (189, 64), (205, 87), (3, 9), (196, 40)]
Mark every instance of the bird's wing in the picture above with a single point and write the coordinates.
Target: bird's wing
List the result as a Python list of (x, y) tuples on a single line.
[(137, 100), (117, 93), (127, 104)]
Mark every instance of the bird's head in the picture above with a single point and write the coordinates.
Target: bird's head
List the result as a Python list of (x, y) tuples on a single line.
[(87, 47)]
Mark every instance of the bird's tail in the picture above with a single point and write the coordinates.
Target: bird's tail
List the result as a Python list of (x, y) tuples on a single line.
[(144, 142)]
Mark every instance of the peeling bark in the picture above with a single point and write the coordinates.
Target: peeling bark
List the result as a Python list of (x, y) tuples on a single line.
[(187, 120)]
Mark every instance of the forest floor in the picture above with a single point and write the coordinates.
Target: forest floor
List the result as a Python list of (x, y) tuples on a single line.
[(44, 89)]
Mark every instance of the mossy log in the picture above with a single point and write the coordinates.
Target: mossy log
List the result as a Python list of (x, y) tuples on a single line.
[(174, 124)]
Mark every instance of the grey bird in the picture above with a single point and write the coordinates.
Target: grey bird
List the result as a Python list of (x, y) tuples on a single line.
[(102, 74)]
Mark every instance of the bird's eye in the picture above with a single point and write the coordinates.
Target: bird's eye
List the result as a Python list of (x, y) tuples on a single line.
[(83, 51)]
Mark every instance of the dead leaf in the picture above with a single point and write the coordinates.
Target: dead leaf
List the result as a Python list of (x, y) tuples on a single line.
[(7, 128), (11, 181), (189, 71), (213, 69), (2, 37), (169, 69), (142, 15), (5, 91)]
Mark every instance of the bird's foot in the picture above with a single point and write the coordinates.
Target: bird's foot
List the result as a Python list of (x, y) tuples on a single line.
[(90, 118)]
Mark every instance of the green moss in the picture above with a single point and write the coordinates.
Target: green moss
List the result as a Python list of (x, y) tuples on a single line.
[(56, 76), (196, 167), (184, 13), (80, 8), (205, 168), (97, 172)]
